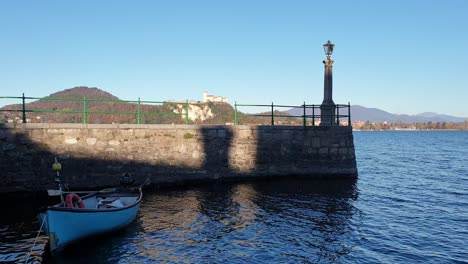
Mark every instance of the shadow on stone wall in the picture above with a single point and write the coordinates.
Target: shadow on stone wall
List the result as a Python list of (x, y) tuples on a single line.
[(26, 163), (312, 152), (217, 142)]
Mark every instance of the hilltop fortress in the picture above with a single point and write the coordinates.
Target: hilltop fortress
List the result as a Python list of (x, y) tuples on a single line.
[(213, 98)]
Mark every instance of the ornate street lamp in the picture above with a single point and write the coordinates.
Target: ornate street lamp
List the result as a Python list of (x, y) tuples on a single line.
[(328, 48), (327, 109)]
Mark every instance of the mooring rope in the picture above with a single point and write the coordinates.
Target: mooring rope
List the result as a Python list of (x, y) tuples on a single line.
[(35, 240)]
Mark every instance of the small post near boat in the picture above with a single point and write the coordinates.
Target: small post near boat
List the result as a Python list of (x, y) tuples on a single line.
[(77, 217)]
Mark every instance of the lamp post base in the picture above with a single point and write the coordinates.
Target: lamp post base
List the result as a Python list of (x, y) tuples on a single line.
[(327, 114)]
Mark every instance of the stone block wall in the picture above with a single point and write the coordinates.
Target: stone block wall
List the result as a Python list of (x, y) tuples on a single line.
[(95, 156)]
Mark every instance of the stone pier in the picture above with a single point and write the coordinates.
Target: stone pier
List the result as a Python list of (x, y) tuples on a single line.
[(95, 156)]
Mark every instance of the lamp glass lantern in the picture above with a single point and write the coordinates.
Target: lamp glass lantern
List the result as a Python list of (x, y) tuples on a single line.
[(328, 48)]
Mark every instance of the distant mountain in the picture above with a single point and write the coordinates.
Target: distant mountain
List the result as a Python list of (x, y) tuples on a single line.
[(361, 113), (76, 93), (83, 91), (441, 117)]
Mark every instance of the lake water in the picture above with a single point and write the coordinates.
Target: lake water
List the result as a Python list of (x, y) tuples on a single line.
[(409, 205)]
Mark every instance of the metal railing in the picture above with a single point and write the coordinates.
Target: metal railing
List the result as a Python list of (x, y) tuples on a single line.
[(336, 115), (85, 112), (309, 111)]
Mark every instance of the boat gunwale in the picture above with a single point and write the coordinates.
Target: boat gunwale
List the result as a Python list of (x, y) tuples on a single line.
[(94, 210)]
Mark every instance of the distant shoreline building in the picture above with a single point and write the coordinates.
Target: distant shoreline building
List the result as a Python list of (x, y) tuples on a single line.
[(213, 98)]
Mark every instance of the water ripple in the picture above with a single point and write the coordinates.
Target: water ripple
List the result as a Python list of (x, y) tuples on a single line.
[(409, 205)]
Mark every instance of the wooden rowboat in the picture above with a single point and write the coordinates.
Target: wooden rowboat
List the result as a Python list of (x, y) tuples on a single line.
[(95, 213), (102, 212)]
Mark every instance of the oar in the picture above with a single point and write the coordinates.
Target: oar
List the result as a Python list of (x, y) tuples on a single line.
[(59, 192), (145, 183)]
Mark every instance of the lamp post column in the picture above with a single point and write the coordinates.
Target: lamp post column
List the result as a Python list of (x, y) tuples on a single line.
[(327, 109)]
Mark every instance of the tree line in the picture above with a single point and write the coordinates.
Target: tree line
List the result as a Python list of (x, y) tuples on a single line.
[(411, 126)]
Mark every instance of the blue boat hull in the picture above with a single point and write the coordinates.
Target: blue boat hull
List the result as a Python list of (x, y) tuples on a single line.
[(68, 225)]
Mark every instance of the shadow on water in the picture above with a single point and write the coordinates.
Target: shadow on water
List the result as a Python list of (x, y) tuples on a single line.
[(319, 210), (206, 222)]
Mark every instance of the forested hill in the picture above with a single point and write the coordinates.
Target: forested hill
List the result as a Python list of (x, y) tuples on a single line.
[(83, 91), (72, 93)]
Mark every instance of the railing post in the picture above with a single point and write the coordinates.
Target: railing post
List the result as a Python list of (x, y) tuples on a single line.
[(305, 121), (24, 109), (349, 114), (313, 115), (85, 113), (338, 115), (235, 114), (272, 115), (138, 112), (186, 112)]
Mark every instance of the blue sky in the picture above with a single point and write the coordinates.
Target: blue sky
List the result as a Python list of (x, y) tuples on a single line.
[(400, 56)]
